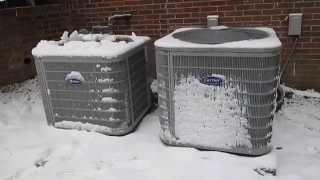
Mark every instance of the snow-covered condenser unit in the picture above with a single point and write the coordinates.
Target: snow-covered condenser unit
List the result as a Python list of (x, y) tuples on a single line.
[(94, 82), (217, 88)]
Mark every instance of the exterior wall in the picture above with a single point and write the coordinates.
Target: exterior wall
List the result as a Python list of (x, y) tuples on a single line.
[(156, 18), (20, 29)]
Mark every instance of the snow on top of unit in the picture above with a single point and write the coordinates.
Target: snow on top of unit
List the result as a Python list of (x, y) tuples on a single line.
[(88, 45), (272, 41)]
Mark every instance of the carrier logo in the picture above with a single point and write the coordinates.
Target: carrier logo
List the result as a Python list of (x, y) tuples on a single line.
[(213, 80)]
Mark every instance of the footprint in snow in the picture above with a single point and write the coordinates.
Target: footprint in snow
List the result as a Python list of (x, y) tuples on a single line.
[(40, 163), (134, 158), (205, 158), (44, 158)]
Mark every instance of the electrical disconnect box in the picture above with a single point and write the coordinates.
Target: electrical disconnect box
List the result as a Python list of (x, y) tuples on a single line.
[(212, 20), (295, 21)]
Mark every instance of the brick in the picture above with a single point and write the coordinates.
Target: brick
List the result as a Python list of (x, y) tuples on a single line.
[(191, 20), (243, 18), (245, 7), (264, 5), (183, 15), (311, 10), (311, 45), (271, 11), (175, 20), (262, 18), (316, 16), (200, 4), (209, 8), (226, 8), (226, 19), (191, 9), (183, 5), (252, 12), (233, 13)]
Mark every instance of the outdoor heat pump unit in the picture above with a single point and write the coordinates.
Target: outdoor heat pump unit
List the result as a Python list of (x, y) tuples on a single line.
[(217, 88), (94, 82)]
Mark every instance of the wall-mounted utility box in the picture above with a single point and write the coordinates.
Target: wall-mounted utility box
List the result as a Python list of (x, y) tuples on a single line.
[(295, 21), (212, 20)]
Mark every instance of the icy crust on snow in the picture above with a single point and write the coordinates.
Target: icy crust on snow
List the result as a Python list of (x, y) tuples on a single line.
[(91, 45), (208, 115), (271, 41), (81, 126)]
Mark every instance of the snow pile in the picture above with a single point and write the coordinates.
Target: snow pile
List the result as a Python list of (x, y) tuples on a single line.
[(271, 41), (89, 45), (208, 115)]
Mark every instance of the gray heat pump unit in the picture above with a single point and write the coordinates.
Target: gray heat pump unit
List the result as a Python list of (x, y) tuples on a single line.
[(94, 92), (217, 88)]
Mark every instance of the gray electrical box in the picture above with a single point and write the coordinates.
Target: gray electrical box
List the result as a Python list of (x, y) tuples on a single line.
[(295, 21), (212, 20)]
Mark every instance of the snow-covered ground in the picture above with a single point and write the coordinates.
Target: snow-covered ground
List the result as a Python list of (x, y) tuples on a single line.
[(30, 150)]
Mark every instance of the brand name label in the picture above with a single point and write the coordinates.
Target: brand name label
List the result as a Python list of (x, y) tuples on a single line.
[(213, 80), (75, 82)]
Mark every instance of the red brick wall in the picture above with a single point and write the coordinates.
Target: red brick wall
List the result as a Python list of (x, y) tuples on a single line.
[(156, 18), (20, 29)]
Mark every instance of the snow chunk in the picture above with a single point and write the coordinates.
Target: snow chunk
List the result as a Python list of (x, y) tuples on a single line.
[(92, 45), (109, 100), (112, 110), (64, 36), (106, 69), (110, 90), (113, 119), (106, 80)]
